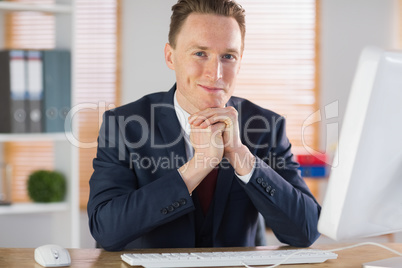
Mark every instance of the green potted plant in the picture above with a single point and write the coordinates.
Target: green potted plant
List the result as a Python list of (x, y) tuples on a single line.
[(46, 186)]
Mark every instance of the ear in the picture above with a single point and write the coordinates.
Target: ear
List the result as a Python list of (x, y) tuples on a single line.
[(169, 51)]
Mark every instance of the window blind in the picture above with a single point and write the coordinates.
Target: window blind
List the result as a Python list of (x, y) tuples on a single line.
[(280, 60), (97, 79), (30, 30)]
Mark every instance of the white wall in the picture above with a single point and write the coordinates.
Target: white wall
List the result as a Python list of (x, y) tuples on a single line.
[(145, 27), (347, 26), (86, 239)]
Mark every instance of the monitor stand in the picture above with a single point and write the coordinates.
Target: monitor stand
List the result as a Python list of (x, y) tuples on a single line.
[(386, 263)]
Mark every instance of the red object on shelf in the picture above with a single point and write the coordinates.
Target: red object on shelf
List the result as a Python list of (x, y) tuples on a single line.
[(312, 160)]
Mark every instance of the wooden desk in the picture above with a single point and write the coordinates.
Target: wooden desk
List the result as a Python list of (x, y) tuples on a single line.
[(93, 258)]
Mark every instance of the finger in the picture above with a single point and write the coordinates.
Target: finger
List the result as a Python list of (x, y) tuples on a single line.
[(222, 118), (204, 114), (210, 117), (198, 120), (218, 127)]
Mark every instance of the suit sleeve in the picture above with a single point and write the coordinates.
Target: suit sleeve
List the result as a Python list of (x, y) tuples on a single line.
[(281, 196), (119, 210)]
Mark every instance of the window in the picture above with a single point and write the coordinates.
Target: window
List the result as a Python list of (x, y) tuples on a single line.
[(97, 78), (280, 60)]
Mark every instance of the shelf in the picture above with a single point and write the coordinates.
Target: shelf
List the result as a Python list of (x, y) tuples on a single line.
[(25, 208), (21, 218), (11, 6), (33, 137)]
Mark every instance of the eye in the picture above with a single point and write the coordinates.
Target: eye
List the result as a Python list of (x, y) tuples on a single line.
[(199, 54), (228, 57)]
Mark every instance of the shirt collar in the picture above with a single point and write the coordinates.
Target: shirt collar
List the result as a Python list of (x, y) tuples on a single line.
[(182, 115)]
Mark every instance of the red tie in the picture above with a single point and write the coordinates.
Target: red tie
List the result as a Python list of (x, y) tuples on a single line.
[(206, 189)]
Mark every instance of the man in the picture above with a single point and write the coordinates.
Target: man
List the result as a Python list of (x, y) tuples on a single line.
[(193, 167)]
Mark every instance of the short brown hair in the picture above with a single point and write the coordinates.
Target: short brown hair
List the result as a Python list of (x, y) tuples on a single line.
[(183, 8)]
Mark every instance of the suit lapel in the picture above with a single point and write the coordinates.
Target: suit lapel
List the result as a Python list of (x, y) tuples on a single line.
[(170, 129), (172, 136)]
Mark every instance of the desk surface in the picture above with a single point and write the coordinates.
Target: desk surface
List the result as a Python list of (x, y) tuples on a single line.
[(85, 258)]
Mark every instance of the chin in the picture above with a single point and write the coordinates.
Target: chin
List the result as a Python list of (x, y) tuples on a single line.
[(213, 104)]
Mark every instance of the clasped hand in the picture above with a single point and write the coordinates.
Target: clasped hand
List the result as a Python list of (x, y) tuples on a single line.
[(215, 133)]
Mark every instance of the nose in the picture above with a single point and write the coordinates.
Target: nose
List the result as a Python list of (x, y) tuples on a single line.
[(213, 69)]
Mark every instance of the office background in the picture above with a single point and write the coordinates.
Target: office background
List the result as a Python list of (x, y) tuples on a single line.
[(345, 27)]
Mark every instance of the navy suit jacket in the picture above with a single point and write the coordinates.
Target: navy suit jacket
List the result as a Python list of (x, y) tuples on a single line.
[(139, 200)]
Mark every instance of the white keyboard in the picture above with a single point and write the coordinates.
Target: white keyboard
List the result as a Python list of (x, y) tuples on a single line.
[(221, 259)]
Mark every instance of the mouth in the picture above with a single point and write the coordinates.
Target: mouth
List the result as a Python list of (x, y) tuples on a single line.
[(211, 89)]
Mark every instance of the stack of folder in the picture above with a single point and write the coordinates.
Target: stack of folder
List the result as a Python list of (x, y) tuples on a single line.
[(35, 90), (312, 166)]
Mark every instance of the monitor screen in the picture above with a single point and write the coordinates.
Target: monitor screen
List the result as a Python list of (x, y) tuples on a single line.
[(364, 193)]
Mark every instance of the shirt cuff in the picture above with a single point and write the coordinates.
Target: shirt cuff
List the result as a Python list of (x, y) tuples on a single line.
[(178, 171), (246, 178)]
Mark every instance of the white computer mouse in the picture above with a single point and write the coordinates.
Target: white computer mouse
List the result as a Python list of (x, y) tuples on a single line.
[(52, 256)]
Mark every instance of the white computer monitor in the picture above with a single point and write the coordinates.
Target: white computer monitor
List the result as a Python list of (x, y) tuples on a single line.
[(364, 193)]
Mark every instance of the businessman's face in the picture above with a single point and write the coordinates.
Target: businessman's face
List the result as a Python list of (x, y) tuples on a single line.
[(206, 61)]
